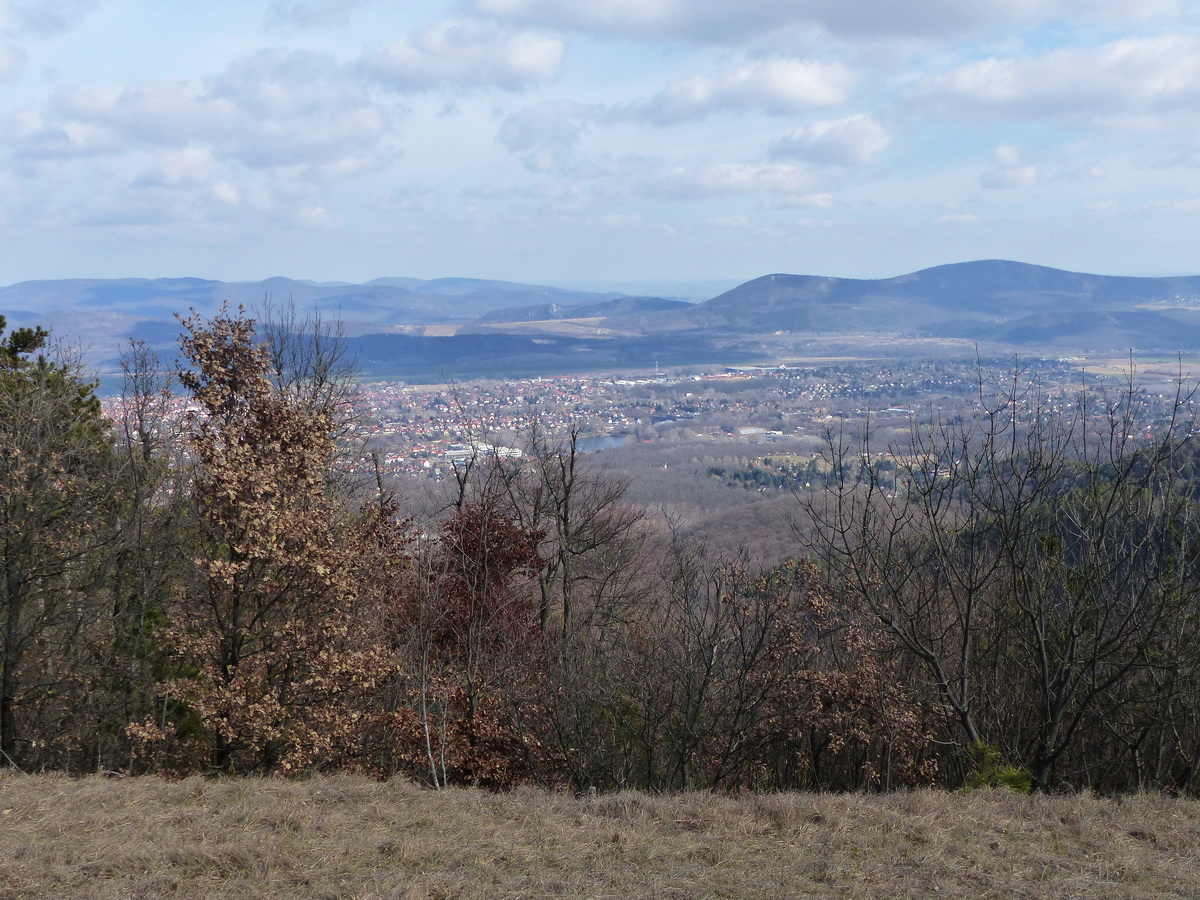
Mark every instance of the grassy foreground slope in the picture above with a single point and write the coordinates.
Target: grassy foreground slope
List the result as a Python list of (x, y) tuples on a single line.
[(351, 837)]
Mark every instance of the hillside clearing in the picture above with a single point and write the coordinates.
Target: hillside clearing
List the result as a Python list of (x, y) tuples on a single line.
[(348, 837)]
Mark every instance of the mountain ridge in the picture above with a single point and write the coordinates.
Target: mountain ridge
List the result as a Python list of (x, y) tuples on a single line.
[(472, 325)]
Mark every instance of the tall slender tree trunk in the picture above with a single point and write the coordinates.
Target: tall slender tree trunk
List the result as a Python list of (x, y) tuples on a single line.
[(8, 673)]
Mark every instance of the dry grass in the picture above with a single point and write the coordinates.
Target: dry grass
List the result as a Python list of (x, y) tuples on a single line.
[(350, 837)]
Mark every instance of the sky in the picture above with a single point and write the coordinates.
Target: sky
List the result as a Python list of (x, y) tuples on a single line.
[(597, 143)]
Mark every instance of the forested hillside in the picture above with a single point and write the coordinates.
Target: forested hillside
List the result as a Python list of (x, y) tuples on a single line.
[(1009, 598)]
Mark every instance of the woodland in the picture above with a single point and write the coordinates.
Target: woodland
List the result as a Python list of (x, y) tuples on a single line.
[(1010, 598)]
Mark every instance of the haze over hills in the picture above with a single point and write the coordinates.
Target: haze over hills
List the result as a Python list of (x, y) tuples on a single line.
[(967, 299), (101, 314), (383, 301), (461, 327)]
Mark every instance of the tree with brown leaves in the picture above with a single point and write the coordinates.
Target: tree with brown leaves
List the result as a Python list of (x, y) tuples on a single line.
[(271, 654)]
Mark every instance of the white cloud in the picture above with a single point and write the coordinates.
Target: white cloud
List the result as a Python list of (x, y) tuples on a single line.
[(957, 219), (721, 21), (1135, 75), (558, 200), (314, 216), (466, 53), (820, 200), (853, 140), (227, 193), (1009, 170), (273, 109), (778, 86), (547, 133), (311, 13), (1185, 206), (404, 199), (684, 183), (191, 193), (37, 137), (188, 167), (286, 84), (554, 122)]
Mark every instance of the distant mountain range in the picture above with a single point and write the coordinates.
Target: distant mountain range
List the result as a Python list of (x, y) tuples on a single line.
[(385, 301), (993, 300), (463, 327)]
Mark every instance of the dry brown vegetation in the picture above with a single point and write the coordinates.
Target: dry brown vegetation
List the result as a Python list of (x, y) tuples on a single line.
[(1010, 596), (346, 836)]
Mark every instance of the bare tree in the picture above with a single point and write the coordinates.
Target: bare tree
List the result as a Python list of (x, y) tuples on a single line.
[(591, 536), (1029, 556), (311, 367)]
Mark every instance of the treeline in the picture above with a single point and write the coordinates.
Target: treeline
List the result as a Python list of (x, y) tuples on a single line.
[(236, 592), (774, 474)]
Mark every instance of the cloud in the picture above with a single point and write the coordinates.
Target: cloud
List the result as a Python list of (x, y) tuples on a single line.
[(273, 109), (723, 22), (314, 216), (299, 14), (853, 140), (957, 219), (820, 200), (554, 122), (548, 132), (40, 18), (1191, 205), (182, 209), (1130, 76), (466, 53), (43, 18), (404, 199), (777, 86), (35, 136), (188, 167), (1009, 170), (555, 199), (682, 183)]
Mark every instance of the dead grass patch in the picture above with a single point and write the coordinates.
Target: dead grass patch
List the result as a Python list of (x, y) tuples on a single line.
[(350, 837)]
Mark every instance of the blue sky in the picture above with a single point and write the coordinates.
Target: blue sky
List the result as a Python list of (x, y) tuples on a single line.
[(600, 142)]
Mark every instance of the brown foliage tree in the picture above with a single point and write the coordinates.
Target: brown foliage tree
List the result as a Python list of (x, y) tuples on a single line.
[(465, 622), (724, 678), (271, 653)]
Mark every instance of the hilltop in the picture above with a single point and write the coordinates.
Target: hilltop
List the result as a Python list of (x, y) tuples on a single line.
[(463, 327)]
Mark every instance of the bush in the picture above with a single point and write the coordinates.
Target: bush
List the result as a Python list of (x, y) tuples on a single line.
[(993, 770)]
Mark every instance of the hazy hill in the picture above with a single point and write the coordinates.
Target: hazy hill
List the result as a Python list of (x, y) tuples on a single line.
[(527, 328), (973, 299), (101, 314), (621, 306), (389, 300)]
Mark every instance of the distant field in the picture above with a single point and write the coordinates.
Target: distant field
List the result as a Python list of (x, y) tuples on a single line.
[(1145, 366), (349, 837)]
